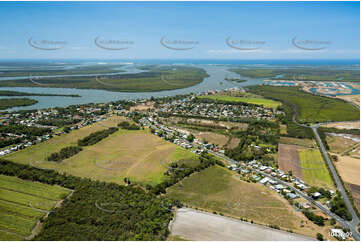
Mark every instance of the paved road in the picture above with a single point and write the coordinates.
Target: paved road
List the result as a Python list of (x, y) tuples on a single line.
[(346, 224), (355, 219)]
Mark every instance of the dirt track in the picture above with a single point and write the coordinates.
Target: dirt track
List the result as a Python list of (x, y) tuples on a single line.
[(196, 225)]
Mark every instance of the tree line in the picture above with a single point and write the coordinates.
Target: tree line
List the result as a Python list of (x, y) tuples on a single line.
[(64, 153), (95, 137), (177, 172)]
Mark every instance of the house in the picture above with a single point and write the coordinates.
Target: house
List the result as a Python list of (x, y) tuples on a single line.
[(305, 205), (291, 195), (256, 178), (279, 187), (316, 195), (273, 182), (264, 181)]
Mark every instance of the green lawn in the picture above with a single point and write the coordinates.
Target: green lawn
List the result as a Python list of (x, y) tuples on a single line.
[(21, 205), (268, 103), (314, 169)]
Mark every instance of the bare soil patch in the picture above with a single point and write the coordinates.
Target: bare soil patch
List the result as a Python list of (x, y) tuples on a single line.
[(309, 143), (344, 125), (233, 143), (142, 107), (212, 138), (289, 160), (196, 225), (349, 169)]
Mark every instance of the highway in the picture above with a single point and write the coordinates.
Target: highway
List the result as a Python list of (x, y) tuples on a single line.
[(355, 219), (346, 224)]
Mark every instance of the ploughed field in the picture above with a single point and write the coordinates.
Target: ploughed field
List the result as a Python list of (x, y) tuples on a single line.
[(305, 163), (23, 203), (134, 154)]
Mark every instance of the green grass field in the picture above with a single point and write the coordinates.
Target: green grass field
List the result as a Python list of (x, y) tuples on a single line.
[(138, 155), (252, 100), (22, 203), (314, 169), (310, 108), (217, 189)]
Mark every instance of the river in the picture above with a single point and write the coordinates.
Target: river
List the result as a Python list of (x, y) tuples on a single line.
[(215, 81)]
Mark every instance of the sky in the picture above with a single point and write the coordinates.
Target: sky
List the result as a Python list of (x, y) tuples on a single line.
[(180, 30)]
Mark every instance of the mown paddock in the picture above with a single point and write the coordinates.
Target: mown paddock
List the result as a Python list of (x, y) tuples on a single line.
[(138, 155), (289, 160), (212, 138), (314, 169), (268, 103), (22, 203), (217, 189)]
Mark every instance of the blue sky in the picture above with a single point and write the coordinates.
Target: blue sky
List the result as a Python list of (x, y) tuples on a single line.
[(269, 26)]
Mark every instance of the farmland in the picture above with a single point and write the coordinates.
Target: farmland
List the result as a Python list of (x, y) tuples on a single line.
[(314, 169), (289, 160), (22, 203), (300, 142), (252, 100), (309, 108), (137, 155), (217, 189)]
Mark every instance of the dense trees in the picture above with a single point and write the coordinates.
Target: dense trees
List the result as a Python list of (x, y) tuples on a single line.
[(95, 137), (319, 220), (127, 125), (338, 206), (64, 153), (98, 210), (22, 129)]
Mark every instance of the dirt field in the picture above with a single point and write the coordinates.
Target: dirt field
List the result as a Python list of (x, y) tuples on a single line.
[(212, 138), (301, 142), (289, 160), (344, 125), (196, 225), (349, 169), (351, 98), (142, 107), (355, 193), (205, 122), (233, 143), (340, 143)]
